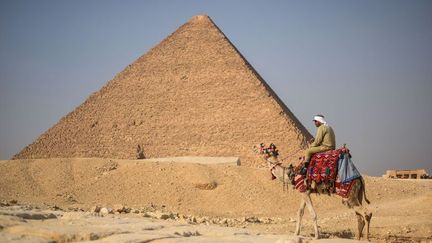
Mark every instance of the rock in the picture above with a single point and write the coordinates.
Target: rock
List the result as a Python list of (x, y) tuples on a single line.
[(13, 202), (70, 198), (183, 221), (165, 216), (252, 219), (159, 215), (223, 221), (34, 215), (188, 233), (192, 220), (127, 210), (202, 220), (56, 208), (95, 209), (4, 204), (172, 215), (265, 220), (118, 208), (142, 210), (104, 211)]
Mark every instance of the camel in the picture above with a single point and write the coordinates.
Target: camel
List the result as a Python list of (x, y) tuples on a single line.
[(354, 199)]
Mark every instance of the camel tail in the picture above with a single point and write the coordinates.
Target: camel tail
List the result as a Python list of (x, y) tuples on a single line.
[(364, 190)]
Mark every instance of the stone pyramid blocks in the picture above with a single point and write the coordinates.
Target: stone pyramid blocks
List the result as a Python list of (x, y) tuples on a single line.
[(193, 94)]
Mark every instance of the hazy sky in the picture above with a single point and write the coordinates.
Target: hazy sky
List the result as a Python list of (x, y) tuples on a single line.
[(365, 65)]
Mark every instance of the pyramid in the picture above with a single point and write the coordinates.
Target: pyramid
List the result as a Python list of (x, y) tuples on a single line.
[(193, 94)]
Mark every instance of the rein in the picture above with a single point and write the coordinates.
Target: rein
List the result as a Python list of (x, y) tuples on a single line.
[(298, 150)]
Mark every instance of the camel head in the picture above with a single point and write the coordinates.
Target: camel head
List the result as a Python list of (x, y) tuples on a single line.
[(268, 152)]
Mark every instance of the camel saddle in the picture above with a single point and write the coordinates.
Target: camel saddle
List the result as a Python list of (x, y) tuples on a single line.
[(323, 169), (323, 166)]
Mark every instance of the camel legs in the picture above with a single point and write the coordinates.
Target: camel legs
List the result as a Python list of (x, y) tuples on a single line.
[(300, 214), (306, 201), (363, 218), (368, 218), (360, 226), (312, 213)]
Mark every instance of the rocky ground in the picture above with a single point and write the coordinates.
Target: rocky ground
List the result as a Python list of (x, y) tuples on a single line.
[(28, 224), (64, 200)]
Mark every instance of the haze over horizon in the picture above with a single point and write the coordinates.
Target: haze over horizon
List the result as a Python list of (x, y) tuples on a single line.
[(367, 66)]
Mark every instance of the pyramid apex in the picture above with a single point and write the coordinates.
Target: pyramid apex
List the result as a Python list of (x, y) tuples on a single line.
[(200, 18)]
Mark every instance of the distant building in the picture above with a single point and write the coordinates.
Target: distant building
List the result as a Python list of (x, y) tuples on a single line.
[(406, 174)]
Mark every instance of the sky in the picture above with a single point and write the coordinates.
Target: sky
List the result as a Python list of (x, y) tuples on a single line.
[(365, 65)]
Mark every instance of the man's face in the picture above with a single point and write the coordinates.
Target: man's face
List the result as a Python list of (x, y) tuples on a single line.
[(317, 123)]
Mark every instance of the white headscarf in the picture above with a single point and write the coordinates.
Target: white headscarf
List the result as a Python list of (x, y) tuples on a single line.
[(320, 118)]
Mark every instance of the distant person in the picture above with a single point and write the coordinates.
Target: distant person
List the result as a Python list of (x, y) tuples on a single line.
[(324, 140), (140, 152)]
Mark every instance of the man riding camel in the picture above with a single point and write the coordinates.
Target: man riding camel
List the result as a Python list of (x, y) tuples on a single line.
[(324, 140)]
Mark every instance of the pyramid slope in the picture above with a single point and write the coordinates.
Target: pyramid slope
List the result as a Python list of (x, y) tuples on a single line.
[(193, 94)]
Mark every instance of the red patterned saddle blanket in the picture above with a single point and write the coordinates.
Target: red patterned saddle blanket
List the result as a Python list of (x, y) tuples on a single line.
[(341, 189), (323, 166), (344, 189), (323, 169)]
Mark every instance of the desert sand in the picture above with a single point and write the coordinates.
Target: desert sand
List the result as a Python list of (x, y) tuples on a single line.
[(59, 199)]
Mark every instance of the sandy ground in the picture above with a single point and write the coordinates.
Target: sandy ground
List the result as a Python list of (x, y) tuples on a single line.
[(241, 203), (34, 225)]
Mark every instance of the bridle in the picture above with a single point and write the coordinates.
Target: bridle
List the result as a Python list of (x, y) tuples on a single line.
[(286, 171)]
